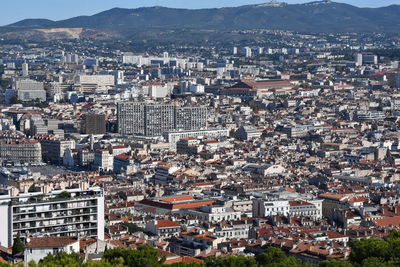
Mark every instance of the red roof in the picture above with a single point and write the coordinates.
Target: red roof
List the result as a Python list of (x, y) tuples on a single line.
[(167, 224)]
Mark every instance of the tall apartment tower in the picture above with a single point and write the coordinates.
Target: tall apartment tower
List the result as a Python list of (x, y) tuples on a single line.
[(25, 69), (131, 118), (247, 51), (157, 119), (358, 58), (235, 50), (191, 118)]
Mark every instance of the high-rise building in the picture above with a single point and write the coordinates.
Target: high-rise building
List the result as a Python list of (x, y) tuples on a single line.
[(131, 117), (191, 118), (362, 59), (235, 50), (394, 79), (25, 69), (77, 212), (157, 119), (93, 123), (247, 51)]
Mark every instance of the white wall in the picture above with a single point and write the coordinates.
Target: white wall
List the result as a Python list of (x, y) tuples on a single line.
[(5, 226)]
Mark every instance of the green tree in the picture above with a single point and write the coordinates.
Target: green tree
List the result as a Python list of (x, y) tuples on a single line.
[(372, 247), (133, 228), (377, 262), (231, 261), (275, 257), (62, 259), (271, 255), (335, 263), (18, 246), (143, 256)]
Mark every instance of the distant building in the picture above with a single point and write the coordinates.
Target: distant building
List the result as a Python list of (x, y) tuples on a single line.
[(20, 151), (248, 133), (156, 119), (88, 83), (164, 205), (394, 79), (250, 89), (93, 123), (235, 50), (362, 59), (28, 90), (53, 148), (174, 136), (25, 70), (247, 51), (103, 160)]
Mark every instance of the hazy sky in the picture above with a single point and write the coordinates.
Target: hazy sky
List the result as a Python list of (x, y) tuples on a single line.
[(15, 10)]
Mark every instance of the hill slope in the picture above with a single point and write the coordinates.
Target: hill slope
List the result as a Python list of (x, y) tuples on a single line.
[(326, 16)]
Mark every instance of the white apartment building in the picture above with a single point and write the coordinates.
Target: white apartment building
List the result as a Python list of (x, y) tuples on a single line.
[(70, 212), (263, 208), (103, 160), (294, 208), (214, 214)]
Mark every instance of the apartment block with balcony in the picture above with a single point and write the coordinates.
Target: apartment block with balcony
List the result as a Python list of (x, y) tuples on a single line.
[(69, 212)]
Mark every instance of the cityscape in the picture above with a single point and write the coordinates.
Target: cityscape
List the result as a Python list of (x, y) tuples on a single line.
[(258, 135)]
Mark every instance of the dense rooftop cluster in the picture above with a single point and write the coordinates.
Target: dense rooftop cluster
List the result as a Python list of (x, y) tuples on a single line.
[(224, 153)]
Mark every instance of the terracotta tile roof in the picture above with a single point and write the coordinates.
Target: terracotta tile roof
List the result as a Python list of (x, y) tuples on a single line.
[(50, 242), (390, 221), (166, 224), (176, 198), (299, 203)]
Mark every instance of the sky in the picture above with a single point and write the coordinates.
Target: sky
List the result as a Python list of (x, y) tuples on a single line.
[(15, 10)]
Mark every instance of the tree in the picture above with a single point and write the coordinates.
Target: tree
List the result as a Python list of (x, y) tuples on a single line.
[(62, 259), (143, 256), (335, 263), (276, 257), (18, 246), (377, 262), (373, 247), (133, 228), (271, 255), (231, 261)]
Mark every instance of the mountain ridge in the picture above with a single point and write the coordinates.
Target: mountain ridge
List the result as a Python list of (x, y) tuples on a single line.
[(324, 16)]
